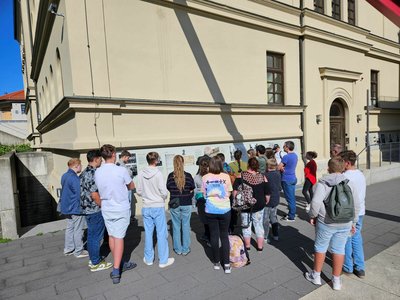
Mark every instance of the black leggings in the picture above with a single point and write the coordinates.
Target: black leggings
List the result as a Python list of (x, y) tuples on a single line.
[(307, 190), (219, 225)]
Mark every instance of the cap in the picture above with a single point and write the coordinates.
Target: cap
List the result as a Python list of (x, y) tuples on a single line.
[(200, 158), (275, 147)]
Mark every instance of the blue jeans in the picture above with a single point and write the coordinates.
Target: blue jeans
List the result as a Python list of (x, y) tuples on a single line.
[(289, 189), (155, 217), (354, 258), (95, 233), (180, 217)]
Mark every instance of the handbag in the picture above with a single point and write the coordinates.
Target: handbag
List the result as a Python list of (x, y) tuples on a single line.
[(173, 203)]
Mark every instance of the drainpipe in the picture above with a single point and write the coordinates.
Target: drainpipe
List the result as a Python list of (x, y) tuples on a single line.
[(301, 71)]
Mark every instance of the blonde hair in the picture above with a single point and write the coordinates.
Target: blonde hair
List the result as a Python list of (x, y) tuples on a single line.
[(272, 164), (74, 162), (179, 173)]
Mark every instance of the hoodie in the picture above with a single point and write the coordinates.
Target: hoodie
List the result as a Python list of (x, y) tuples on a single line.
[(151, 187), (322, 190)]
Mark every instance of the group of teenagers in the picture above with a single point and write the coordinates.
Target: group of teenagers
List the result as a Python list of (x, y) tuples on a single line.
[(101, 197)]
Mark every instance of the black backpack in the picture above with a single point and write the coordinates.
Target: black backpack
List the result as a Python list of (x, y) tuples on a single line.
[(340, 203)]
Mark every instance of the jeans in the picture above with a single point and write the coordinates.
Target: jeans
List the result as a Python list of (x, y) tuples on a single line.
[(270, 217), (219, 225), (308, 190), (180, 217), (155, 217), (354, 258), (257, 220), (289, 189), (95, 233), (74, 234)]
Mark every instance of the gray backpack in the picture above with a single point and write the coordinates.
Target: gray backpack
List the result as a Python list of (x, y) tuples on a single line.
[(340, 203)]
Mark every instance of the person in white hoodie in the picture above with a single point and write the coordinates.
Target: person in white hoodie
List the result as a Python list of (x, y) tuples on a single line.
[(152, 189), (328, 233)]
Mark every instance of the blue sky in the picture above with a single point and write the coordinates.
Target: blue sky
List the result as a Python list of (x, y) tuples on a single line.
[(10, 58)]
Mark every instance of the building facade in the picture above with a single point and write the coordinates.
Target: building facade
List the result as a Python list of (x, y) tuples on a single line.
[(194, 76)]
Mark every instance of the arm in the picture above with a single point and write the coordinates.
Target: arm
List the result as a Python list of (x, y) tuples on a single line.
[(161, 186), (317, 200), (131, 186), (96, 198)]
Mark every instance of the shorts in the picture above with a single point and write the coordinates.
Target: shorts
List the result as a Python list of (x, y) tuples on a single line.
[(257, 219), (116, 222), (334, 237)]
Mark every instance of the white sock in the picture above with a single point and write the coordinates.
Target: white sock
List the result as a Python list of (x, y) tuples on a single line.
[(316, 274), (336, 278)]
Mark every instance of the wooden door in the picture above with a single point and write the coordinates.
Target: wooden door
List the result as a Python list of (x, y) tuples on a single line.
[(337, 124)]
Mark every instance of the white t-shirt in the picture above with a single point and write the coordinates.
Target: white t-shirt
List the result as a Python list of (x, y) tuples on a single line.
[(278, 156), (111, 181), (358, 187)]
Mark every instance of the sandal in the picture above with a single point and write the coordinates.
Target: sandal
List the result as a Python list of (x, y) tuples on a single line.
[(128, 265), (116, 278)]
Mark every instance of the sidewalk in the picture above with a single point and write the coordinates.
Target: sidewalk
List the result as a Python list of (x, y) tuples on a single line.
[(35, 267)]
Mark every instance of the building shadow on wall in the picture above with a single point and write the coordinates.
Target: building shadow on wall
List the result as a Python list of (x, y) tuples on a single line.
[(36, 204)]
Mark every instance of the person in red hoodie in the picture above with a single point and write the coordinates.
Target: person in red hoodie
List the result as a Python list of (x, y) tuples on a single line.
[(310, 175)]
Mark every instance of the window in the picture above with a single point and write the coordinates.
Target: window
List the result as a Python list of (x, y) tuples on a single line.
[(336, 9), (374, 87), (319, 6), (275, 78), (22, 108), (351, 11)]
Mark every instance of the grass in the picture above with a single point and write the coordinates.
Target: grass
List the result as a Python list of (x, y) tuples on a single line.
[(40, 234), (3, 241)]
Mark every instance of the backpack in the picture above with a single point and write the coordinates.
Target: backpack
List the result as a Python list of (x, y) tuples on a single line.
[(238, 255), (244, 198), (340, 203)]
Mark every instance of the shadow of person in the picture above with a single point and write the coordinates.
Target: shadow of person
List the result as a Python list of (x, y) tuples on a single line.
[(132, 239), (198, 228)]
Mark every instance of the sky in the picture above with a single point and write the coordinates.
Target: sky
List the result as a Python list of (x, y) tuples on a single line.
[(10, 57)]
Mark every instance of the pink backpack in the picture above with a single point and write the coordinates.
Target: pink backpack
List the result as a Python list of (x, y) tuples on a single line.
[(238, 255)]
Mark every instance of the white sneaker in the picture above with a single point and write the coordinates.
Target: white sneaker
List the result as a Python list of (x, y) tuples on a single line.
[(217, 267), (308, 207), (227, 269), (147, 263), (315, 279), (169, 262), (337, 283), (84, 253)]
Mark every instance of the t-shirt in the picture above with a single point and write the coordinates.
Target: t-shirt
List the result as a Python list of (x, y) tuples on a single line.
[(290, 163), (274, 180), (310, 171), (235, 167), (112, 181), (262, 163), (186, 196), (216, 188), (88, 186), (358, 187)]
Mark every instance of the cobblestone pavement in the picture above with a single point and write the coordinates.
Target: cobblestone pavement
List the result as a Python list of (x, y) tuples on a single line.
[(35, 267)]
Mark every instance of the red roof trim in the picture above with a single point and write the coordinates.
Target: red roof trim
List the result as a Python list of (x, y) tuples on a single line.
[(15, 96)]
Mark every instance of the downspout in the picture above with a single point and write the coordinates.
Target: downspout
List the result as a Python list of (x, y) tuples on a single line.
[(301, 67)]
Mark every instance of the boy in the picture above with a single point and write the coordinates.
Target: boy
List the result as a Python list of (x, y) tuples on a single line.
[(329, 233)]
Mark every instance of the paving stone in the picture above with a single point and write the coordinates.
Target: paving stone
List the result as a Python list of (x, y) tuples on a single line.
[(71, 295), (12, 255), (78, 281), (17, 279), (178, 270), (53, 280), (278, 293), (382, 228), (18, 269), (241, 292), (387, 239), (170, 289), (273, 279), (206, 290), (300, 285), (244, 274), (45, 293), (101, 297), (136, 288), (9, 266), (371, 249), (6, 293)]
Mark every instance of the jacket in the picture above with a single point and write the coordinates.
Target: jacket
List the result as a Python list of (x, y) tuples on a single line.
[(151, 187), (70, 193)]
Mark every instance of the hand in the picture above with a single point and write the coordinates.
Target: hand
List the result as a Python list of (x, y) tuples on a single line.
[(353, 229), (313, 221)]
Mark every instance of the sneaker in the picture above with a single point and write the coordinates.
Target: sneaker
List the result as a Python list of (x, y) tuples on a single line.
[(185, 253), (287, 219), (315, 279), (68, 253), (103, 265), (267, 241), (208, 244), (90, 264), (308, 207), (128, 265), (359, 273), (169, 262), (337, 283), (227, 269), (84, 253), (147, 263), (217, 267), (345, 272), (204, 238)]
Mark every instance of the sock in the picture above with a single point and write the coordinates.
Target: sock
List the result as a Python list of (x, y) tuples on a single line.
[(316, 274), (336, 278), (115, 271)]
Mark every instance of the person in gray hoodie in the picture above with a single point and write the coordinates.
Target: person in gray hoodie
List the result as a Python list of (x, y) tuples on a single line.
[(151, 188), (327, 232)]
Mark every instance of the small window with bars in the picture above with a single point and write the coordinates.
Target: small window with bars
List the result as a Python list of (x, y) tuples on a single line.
[(336, 9), (275, 80), (319, 6), (351, 11), (374, 87)]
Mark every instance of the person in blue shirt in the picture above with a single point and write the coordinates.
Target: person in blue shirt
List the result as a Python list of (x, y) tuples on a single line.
[(288, 168), (71, 209)]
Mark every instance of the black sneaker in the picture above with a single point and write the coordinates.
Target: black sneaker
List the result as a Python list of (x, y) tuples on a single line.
[(359, 273)]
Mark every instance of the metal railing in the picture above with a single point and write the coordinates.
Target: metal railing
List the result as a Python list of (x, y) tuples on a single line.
[(380, 154)]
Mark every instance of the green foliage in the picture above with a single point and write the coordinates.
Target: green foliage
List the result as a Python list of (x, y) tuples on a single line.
[(17, 148), (2, 241)]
